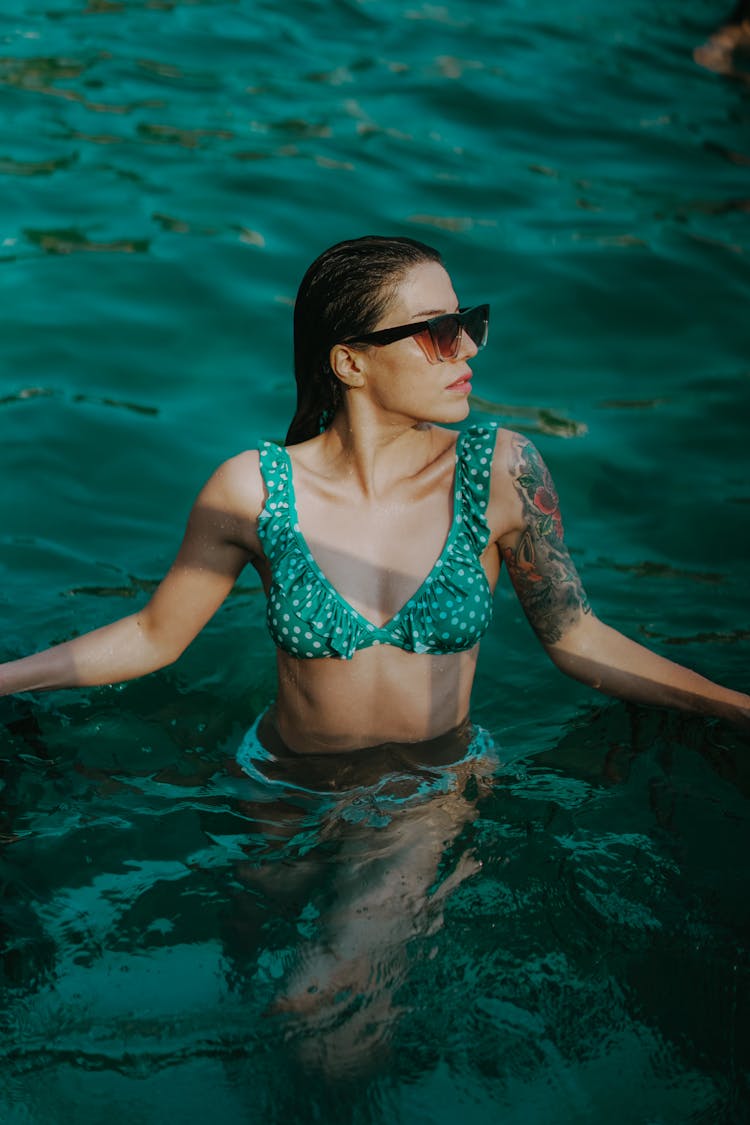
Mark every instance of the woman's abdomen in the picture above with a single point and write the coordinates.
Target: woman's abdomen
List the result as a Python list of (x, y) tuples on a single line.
[(382, 695)]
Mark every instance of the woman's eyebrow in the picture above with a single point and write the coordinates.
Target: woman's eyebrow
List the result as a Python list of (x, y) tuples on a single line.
[(431, 312)]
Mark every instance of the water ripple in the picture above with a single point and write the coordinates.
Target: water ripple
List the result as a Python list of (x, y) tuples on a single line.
[(542, 421), (577, 166), (72, 241)]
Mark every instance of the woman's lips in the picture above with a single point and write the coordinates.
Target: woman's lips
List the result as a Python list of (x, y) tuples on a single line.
[(462, 385)]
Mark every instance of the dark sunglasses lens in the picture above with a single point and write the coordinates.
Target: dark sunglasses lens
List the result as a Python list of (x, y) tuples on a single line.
[(446, 333), (475, 323)]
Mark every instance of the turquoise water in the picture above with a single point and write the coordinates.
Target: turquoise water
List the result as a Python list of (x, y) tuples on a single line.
[(574, 943)]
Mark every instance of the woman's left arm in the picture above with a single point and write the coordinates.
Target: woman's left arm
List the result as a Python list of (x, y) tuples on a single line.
[(550, 592)]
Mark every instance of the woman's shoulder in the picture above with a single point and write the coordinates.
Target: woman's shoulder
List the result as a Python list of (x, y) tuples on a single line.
[(517, 467), (236, 485)]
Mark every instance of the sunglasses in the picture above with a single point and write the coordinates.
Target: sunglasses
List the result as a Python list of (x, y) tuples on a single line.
[(439, 337)]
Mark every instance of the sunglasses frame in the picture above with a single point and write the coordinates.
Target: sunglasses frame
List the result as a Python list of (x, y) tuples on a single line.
[(386, 336)]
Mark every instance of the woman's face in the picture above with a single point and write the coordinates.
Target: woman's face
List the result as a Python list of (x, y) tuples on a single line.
[(398, 377)]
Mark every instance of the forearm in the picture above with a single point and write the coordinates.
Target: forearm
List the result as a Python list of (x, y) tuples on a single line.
[(119, 651), (603, 658)]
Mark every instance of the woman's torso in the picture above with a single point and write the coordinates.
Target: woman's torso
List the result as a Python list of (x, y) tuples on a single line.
[(391, 579)]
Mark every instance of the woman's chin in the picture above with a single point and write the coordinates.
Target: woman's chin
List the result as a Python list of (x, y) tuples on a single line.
[(453, 411)]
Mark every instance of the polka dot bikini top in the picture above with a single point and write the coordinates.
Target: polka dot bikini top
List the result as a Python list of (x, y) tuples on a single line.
[(449, 612)]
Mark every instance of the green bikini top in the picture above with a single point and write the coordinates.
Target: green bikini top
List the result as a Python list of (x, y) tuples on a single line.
[(450, 611)]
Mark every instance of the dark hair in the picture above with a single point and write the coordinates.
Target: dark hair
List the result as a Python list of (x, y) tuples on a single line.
[(344, 292)]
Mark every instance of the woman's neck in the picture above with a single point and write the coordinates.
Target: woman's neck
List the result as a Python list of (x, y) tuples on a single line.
[(377, 452)]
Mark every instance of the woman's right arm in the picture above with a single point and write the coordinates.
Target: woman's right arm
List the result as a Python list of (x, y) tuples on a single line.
[(219, 540)]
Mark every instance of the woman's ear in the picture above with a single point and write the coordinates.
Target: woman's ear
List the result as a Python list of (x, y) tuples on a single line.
[(346, 365)]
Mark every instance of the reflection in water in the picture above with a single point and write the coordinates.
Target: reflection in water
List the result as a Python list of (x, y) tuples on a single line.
[(451, 222), (138, 587), (632, 403), (186, 138), (448, 66), (367, 126), (712, 206), (102, 7), (648, 569), (608, 239), (26, 393), (336, 165), (179, 226), (118, 404), (39, 75), (251, 237), (251, 155), (135, 588), (108, 7), (97, 138), (435, 13), (730, 155), (339, 76), (72, 241), (162, 70), (719, 243), (11, 167), (544, 421), (46, 392), (730, 637)]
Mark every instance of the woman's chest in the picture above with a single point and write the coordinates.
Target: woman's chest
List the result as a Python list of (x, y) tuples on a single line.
[(410, 568), (377, 555)]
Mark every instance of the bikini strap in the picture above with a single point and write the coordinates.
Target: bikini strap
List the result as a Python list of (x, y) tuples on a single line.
[(474, 468), (274, 469), (476, 447)]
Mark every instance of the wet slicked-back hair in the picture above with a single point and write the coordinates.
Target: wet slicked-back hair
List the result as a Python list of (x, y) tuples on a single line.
[(344, 293)]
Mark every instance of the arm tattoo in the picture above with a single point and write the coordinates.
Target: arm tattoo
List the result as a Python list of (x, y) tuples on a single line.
[(539, 565)]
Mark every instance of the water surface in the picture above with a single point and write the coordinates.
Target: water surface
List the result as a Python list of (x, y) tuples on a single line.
[(575, 944)]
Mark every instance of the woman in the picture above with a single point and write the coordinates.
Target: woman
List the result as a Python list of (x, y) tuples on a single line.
[(378, 534)]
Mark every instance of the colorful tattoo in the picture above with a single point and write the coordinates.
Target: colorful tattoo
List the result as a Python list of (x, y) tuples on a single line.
[(539, 564)]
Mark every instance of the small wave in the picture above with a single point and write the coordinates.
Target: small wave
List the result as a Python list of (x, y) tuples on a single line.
[(648, 569), (72, 241), (731, 637), (544, 421)]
